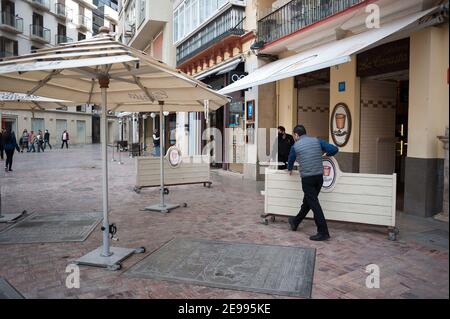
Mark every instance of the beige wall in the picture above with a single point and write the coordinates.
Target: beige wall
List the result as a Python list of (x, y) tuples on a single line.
[(287, 104), (429, 98), (347, 72), (23, 120)]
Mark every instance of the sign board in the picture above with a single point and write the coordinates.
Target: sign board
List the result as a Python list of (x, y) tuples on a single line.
[(174, 157), (341, 125)]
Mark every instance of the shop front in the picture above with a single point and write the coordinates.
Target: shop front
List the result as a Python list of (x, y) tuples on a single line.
[(383, 103)]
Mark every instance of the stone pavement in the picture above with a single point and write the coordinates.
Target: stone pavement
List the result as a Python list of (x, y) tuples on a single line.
[(416, 266)]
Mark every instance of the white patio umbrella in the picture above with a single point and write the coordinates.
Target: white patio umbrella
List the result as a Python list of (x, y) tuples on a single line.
[(133, 81)]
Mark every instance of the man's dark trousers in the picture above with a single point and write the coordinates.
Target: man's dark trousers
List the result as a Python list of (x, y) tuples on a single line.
[(311, 188)]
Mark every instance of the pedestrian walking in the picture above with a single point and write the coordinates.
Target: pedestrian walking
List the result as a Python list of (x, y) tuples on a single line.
[(156, 144), (40, 141), (65, 139), (1, 144), (47, 139), (31, 142), (24, 141), (10, 145), (308, 151)]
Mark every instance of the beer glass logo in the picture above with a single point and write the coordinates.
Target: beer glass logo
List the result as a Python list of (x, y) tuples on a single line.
[(341, 125), (329, 173)]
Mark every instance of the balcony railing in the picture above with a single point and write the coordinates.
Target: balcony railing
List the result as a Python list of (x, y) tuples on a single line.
[(83, 21), (41, 4), (40, 33), (298, 14), (231, 22), (62, 39), (5, 54), (61, 10), (12, 22)]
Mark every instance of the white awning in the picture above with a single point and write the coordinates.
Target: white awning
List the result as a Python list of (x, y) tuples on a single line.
[(324, 56), (224, 68)]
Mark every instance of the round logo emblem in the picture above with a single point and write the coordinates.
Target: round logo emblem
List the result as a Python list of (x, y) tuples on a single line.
[(329, 174), (341, 125), (174, 157)]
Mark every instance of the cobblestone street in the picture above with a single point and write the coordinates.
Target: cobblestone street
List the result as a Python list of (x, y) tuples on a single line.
[(415, 266)]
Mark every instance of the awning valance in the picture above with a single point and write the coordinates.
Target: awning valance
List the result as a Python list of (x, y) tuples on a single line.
[(222, 69), (324, 56)]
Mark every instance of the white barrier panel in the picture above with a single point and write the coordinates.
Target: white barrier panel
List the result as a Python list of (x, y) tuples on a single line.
[(192, 170), (346, 197)]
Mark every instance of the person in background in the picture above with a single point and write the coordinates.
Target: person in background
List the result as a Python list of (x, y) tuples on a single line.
[(10, 144), (156, 144), (24, 141), (40, 141), (285, 142), (308, 151), (1, 144), (65, 139), (47, 139), (31, 141)]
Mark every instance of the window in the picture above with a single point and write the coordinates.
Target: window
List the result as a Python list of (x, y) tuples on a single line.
[(8, 47), (190, 14), (34, 49)]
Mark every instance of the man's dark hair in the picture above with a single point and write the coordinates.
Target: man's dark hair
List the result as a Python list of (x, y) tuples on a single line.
[(300, 130), (282, 128)]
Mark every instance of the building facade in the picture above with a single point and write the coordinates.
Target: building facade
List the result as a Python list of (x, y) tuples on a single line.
[(29, 25), (211, 39), (147, 26), (384, 106)]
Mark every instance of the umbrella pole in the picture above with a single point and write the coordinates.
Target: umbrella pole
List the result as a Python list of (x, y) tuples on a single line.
[(104, 127), (162, 207), (106, 256), (162, 148)]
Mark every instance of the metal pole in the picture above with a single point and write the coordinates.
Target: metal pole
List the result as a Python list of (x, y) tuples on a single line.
[(143, 135), (162, 147), (104, 83)]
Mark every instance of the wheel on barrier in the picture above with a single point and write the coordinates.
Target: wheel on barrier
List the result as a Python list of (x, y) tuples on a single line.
[(137, 190), (266, 221), (392, 236), (393, 233), (185, 205), (140, 250), (272, 219), (115, 267), (166, 191)]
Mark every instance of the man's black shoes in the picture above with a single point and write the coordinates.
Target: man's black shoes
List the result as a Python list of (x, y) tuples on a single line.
[(320, 237), (294, 226)]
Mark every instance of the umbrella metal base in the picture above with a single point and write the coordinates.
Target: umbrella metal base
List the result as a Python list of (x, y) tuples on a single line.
[(10, 218), (161, 209), (113, 262)]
